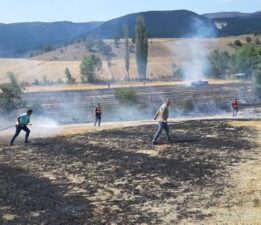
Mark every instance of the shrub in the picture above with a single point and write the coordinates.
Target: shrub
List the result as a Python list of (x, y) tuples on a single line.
[(238, 43), (245, 59), (248, 39), (126, 95), (257, 41), (11, 95), (219, 63)]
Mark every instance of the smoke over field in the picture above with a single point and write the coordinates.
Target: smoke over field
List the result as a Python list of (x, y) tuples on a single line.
[(78, 106), (195, 55)]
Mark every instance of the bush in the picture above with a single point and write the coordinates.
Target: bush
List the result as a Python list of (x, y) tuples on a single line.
[(126, 95), (246, 59), (248, 39), (238, 43), (257, 42), (11, 95), (219, 63)]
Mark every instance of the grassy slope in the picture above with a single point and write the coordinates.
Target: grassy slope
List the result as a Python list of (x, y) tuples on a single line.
[(162, 54)]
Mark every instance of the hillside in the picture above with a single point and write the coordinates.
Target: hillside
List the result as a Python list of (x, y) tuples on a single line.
[(217, 15), (240, 25), (22, 39), (160, 24), (225, 15), (236, 23), (18, 38), (162, 54)]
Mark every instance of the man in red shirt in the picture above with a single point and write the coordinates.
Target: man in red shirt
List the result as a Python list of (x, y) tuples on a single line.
[(98, 113), (234, 106)]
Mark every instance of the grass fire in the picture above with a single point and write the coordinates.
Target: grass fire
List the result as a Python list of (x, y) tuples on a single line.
[(149, 118)]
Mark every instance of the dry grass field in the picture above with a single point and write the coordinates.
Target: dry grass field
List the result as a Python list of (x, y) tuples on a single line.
[(162, 54)]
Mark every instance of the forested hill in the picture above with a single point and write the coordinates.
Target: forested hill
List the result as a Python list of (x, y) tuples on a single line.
[(18, 39)]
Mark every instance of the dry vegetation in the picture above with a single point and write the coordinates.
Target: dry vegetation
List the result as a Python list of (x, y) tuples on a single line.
[(162, 54)]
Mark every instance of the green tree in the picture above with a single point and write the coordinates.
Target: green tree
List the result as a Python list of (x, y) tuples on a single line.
[(246, 59), (257, 81), (126, 95), (127, 50), (89, 68), (69, 78), (141, 42), (219, 63), (11, 95)]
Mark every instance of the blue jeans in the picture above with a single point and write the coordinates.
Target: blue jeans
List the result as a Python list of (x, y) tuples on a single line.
[(97, 120), (162, 126), (234, 111), (17, 132)]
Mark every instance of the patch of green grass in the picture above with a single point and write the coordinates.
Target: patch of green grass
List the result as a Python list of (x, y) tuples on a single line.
[(126, 95)]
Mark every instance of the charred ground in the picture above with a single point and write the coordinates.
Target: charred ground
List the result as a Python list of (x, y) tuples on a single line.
[(117, 177)]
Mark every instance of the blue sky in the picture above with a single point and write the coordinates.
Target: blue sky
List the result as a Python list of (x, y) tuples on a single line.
[(100, 10)]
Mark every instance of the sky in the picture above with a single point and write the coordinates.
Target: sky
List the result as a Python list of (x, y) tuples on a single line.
[(12, 11)]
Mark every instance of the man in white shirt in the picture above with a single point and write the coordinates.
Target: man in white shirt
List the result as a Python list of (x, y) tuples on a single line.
[(163, 115)]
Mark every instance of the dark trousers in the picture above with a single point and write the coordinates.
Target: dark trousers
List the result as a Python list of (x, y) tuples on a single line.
[(97, 120), (162, 126), (17, 132)]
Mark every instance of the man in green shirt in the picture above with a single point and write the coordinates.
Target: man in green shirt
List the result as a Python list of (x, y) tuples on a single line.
[(22, 122)]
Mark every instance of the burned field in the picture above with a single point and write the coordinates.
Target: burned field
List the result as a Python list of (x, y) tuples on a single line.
[(117, 177), (77, 106)]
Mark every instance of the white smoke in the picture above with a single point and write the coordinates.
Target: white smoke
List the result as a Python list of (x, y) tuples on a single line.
[(194, 57)]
